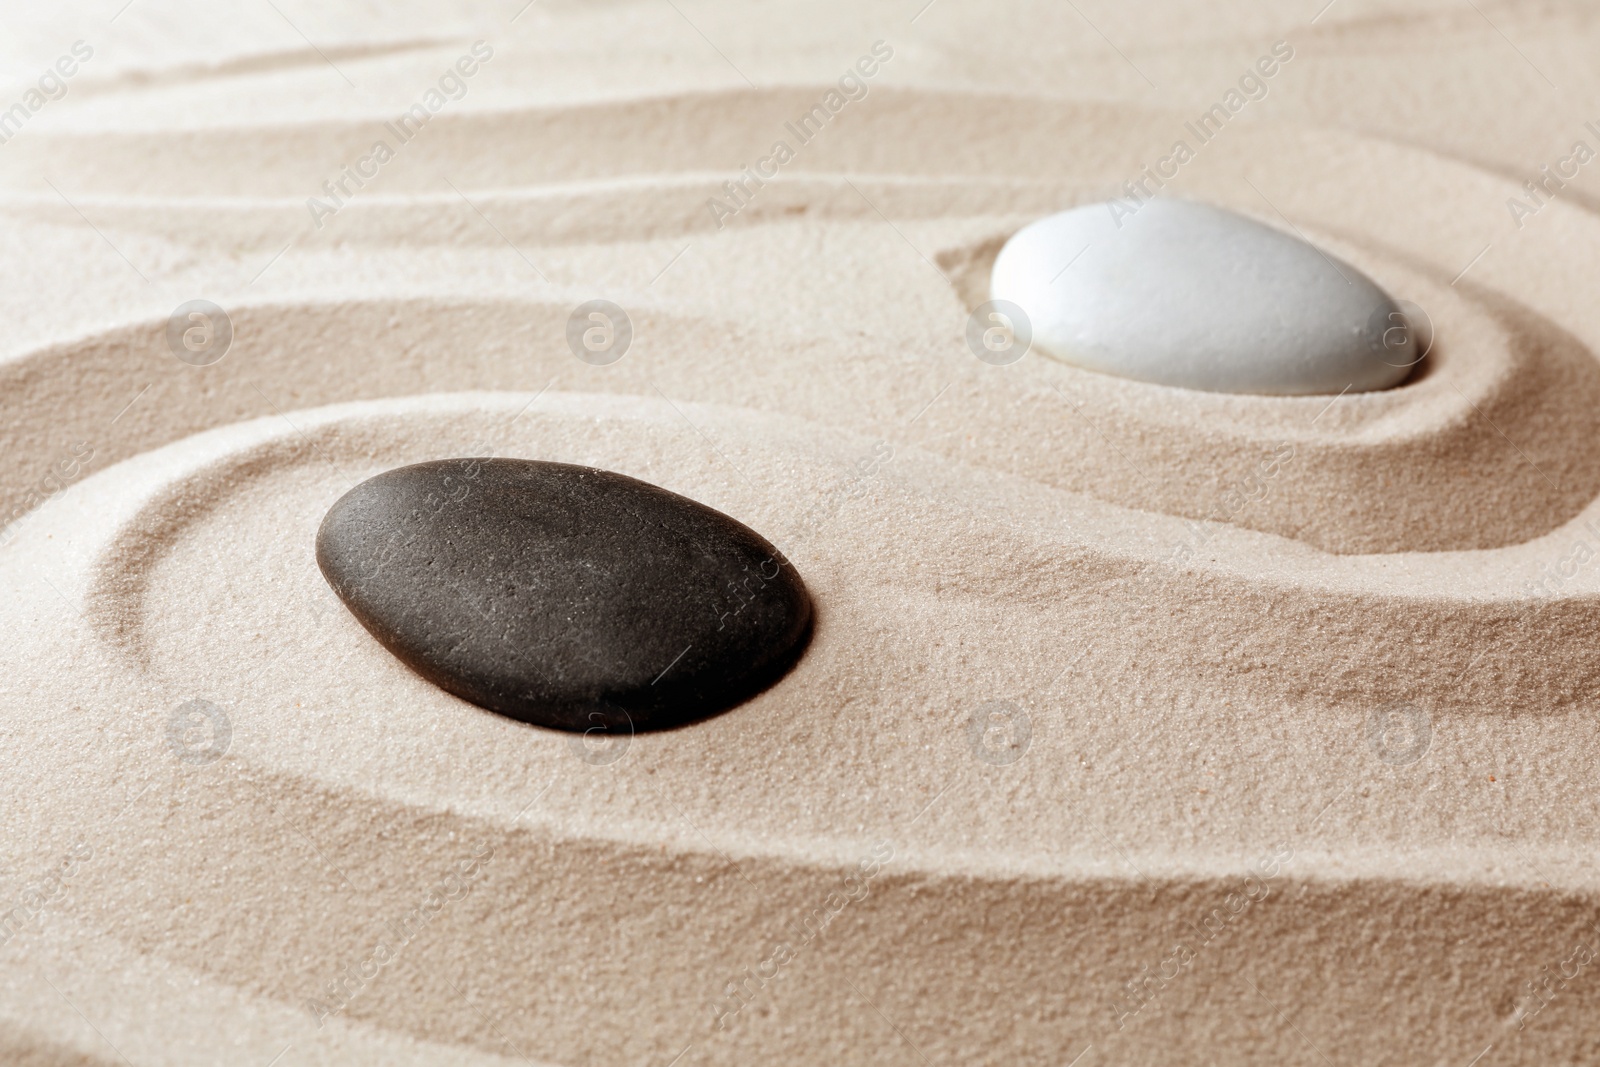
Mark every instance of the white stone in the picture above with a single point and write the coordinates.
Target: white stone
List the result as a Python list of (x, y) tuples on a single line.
[(1191, 295)]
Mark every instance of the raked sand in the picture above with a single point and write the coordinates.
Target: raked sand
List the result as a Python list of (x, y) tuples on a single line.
[(1139, 724)]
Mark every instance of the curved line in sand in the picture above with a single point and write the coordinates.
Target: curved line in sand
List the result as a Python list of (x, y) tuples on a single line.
[(1504, 423), (1050, 556), (1425, 635)]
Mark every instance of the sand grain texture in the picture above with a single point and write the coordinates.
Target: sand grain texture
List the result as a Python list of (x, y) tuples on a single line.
[(1097, 747)]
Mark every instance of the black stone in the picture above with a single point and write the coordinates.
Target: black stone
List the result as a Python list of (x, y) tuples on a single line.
[(564, 596)]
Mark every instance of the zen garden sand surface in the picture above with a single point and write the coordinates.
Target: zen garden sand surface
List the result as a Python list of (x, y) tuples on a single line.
[(1138, 723)]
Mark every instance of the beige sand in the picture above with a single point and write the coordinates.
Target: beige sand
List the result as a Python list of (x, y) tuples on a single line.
[(1087, 758)]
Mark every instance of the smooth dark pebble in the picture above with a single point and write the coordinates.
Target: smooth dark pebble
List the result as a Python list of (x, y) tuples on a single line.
[(564, 596)]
